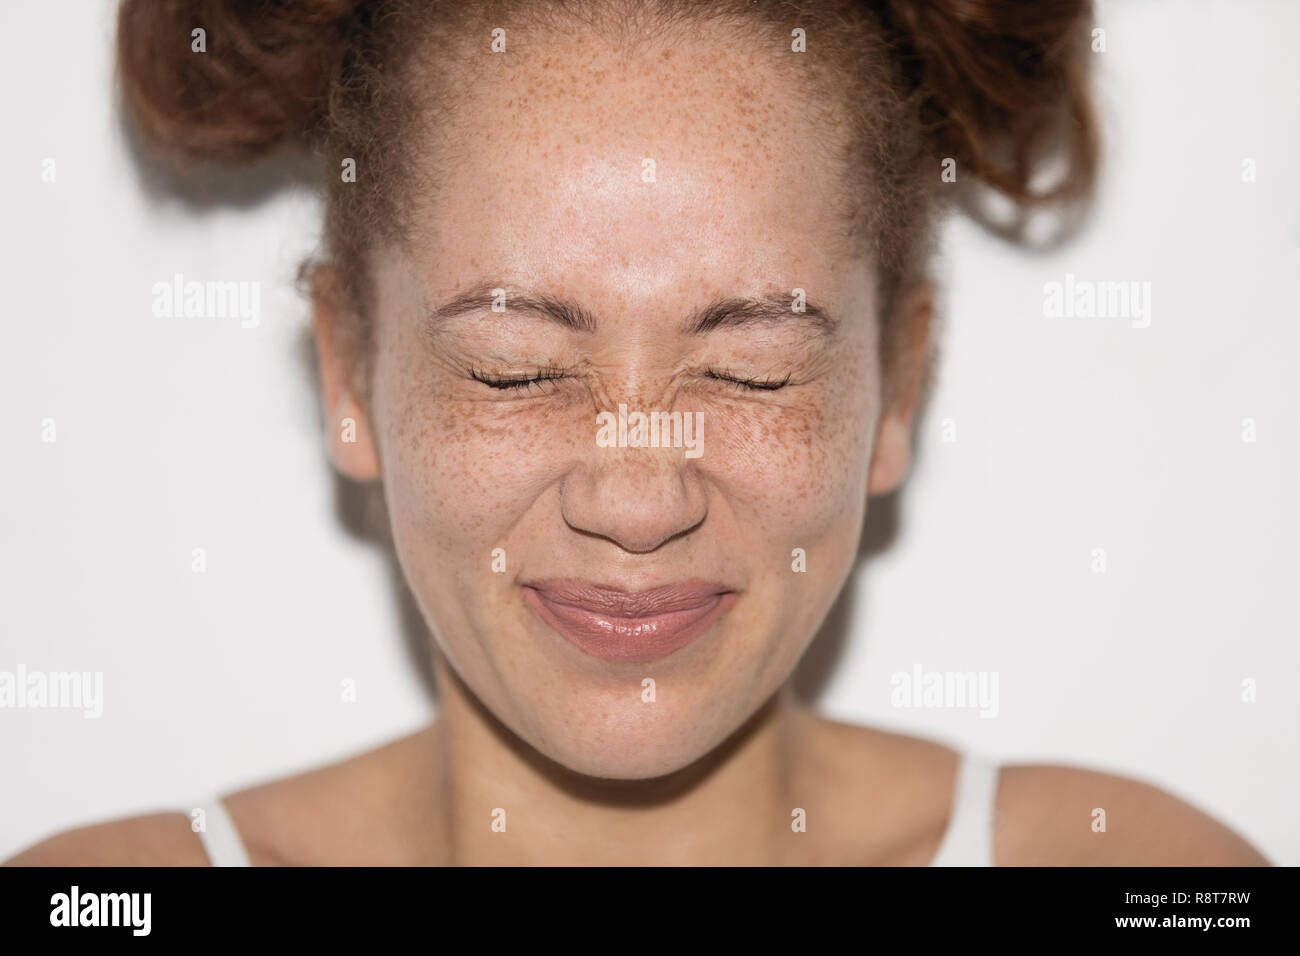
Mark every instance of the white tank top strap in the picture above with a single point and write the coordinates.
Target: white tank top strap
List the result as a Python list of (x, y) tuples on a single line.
[(218, 833), (968, 839)]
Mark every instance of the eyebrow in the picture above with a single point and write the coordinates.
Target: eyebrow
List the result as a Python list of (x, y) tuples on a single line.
[(722, 314), (768, 308)]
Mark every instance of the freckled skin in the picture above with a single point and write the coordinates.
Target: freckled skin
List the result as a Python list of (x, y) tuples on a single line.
[(744, 203), (541, 187)]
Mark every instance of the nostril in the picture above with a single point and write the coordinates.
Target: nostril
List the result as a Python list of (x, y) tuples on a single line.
[(633, 498)]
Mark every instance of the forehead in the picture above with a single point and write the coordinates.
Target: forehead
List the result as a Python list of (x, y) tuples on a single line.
[(637, 170)]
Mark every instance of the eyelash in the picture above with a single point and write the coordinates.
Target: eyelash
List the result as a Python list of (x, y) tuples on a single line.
[(525, 383), (751, 384), (518, 383)]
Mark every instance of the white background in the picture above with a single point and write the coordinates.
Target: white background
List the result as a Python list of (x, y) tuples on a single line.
[(1072, 434)]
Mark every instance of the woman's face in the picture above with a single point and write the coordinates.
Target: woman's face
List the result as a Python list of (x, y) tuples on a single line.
[(615, 198)]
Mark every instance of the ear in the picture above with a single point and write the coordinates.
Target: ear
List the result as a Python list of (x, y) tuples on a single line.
[(891, 456), (347, 425)]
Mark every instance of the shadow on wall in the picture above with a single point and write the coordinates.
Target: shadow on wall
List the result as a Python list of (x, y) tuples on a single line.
[(203, 187)]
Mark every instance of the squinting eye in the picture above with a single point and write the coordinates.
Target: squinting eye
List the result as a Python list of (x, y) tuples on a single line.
[(755, 384), (517, 382)]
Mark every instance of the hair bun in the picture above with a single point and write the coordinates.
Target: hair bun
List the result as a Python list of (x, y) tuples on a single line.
[(1003, 86), (263, 78)]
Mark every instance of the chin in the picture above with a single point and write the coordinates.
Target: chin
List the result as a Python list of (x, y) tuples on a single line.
[(622, 739)]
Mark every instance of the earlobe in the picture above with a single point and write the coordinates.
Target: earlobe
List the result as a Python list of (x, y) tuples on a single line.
[(351, 442), (891, 457)]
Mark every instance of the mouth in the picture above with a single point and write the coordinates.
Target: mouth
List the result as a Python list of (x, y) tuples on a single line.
[(629, 626)]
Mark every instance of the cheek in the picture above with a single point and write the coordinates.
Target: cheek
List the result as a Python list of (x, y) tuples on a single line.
[(798, 469), (462, 472)]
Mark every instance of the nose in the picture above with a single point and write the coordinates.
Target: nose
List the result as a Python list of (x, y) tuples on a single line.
[(638, 498)]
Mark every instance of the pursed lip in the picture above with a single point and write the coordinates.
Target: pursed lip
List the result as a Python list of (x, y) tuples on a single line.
[(615, 624)]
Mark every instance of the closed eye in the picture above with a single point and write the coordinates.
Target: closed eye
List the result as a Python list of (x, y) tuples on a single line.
[(754, 384), (517, 382)]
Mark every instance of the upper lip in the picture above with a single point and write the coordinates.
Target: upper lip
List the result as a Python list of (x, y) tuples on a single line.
[(622, 602)]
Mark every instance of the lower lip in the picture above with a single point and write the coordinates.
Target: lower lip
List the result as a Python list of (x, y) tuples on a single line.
[(628, 639)]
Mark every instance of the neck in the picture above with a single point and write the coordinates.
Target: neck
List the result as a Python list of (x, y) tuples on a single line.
[(732, 806)]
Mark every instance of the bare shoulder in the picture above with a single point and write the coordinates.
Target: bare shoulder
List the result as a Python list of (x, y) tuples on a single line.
[(1044, 815), (158, 839), (357, 810), (1053, 815), (363, 810)]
